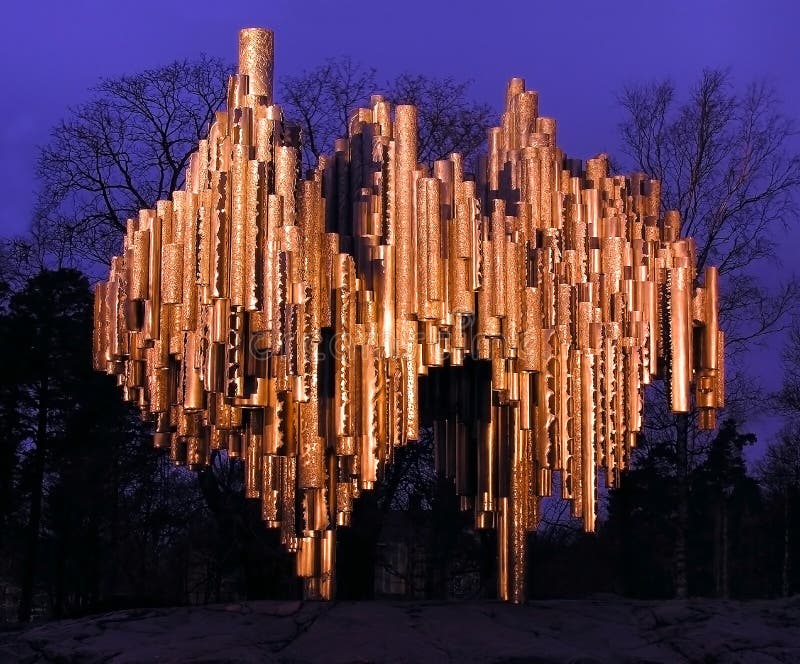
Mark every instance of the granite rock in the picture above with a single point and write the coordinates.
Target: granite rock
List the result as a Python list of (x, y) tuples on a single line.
[(592, 630)]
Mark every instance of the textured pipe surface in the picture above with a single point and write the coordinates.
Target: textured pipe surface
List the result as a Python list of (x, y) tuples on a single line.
[(312, 325)]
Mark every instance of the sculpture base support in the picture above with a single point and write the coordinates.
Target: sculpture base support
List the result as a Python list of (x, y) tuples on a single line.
[(316, 564)]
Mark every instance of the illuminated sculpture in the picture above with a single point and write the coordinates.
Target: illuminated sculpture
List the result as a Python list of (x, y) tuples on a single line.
[(288, 320)]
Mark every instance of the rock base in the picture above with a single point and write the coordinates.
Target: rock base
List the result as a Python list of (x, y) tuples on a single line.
[(597, 630)]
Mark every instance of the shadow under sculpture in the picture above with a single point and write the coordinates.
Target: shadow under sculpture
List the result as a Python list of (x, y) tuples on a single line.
[(290, 320)]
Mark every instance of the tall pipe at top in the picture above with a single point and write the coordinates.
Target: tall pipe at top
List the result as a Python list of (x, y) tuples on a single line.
[(256, 60)]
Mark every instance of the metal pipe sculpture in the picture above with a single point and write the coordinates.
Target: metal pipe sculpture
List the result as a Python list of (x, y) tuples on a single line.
[(311, 326)]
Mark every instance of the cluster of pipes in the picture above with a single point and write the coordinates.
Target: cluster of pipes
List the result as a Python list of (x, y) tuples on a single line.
[(311, 325)]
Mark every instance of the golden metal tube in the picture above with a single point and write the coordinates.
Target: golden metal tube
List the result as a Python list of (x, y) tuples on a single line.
[(306, 553), (219, 241), (678, 303), (139, 276), (327, 565), (343, 353), (494, 142), (487, 465), (710, 351), (237, 245), (518, 505), (405, 132), (100, 353), (287, 495), (272, 469), (152, 327), (434, 238), (256, 60), (488, 323), (530, 345), (513, 311), (115, 329), (385, 295), (172, 274), (503, 550), (311, 462), (204, 246), (527, 109), (253, 466), (498, 258), (587, 450), (190, 265), (193, 396), (720, 377), (423, 219), (285, 180), (410, 362)]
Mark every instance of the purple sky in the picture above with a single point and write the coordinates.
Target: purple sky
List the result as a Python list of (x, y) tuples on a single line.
[(575, 53)]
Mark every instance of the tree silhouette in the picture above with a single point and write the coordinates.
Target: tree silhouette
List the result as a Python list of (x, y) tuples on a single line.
[(321, 100), (724, 519), (122, 150), (725, 161), (779, 473), (45, 325), (725, 497), (92, 510)]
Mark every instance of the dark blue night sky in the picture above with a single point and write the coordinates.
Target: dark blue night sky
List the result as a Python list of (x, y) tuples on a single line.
[(575, 53)]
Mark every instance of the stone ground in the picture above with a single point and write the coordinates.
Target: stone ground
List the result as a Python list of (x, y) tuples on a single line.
[(595, 630)]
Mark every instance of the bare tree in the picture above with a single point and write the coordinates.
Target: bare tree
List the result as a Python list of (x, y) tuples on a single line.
[(788, 397), (779, 470), (320, 100), (128, 146), (725, 162), (123, 150), (449, 121)]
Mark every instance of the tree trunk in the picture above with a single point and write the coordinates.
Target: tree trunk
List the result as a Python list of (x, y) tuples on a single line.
[(34, 523), (724, 571), (115, 561), (717, 549), (786, 548), (61, 563), (682, 525)]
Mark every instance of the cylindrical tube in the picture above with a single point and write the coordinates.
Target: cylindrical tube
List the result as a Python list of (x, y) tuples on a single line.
[(256, 60)]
